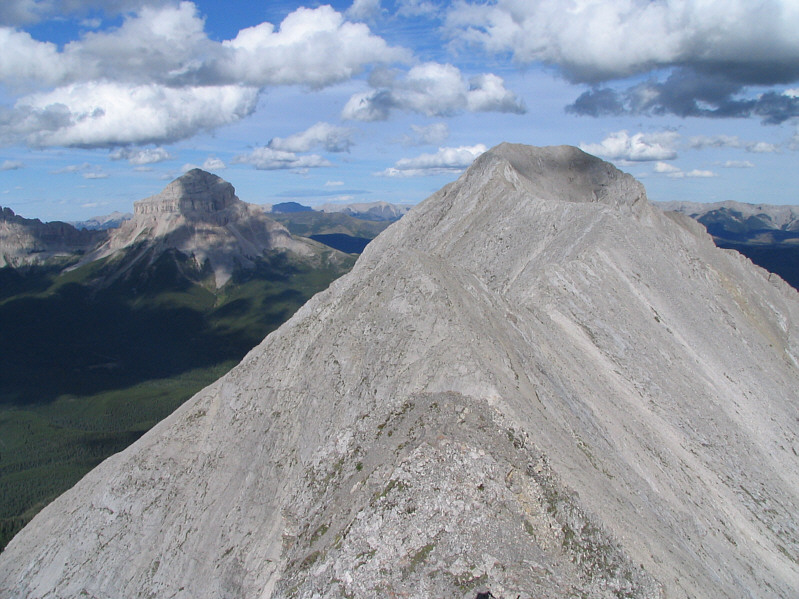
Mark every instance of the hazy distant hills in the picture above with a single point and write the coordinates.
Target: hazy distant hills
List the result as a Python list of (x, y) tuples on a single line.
[(767, 235), (534, 384), (745, 223), (108, 221), (376, 211), (345, 227)]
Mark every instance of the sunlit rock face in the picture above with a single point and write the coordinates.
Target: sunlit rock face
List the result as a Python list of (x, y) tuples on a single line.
[(200, 216), (29, 241), (196, 191), (534, 384)]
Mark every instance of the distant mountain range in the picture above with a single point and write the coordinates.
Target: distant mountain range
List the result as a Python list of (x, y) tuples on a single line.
[(768, 235), (100, 223), (374, 211), (377, 211), (744, 223), (26, 241)]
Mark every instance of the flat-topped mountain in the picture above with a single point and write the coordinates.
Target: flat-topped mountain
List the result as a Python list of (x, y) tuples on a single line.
[(200, 216), (197, 191), (534, 384)]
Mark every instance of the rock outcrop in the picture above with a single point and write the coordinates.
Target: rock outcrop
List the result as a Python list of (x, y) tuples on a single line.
[(534, 384), (199, 215), (27, 241), (196, 191)]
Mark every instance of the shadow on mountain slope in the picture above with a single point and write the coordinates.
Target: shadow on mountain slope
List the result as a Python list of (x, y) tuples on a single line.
[(94, 357)]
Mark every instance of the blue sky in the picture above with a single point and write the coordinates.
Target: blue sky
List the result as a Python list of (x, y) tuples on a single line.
[(102, 102)]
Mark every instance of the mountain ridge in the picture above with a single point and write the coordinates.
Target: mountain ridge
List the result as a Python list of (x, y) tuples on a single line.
[(744, 215), (29, 241), (535, 383)]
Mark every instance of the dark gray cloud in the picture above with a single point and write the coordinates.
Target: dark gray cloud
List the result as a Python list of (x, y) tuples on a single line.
[(706, 59), (688, 93)]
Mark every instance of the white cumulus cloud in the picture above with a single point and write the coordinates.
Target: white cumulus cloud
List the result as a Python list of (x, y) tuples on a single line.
[(101, 114), (23, 12), (762, 147), (432, 89), (329, 137), (596, 40), (705, 58), (676, 173), (701, 174), (26, 62), (314, 47), (363, 10), (638, 147), (701, 142), (212, 163), (665, 167), (11, 165), (158, 77), (141, 156), (445, 161), (268, 159)]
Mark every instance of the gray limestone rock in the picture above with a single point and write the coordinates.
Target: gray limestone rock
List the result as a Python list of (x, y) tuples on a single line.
[(28, 241), (534, 384), (199, 215)]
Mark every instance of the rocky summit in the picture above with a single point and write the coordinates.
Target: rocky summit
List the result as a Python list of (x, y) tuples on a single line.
[(535, 384), (200, 216)]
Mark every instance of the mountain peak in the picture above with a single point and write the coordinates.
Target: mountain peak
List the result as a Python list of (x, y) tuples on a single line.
[(196, 191), (565, 173), (199, 215)]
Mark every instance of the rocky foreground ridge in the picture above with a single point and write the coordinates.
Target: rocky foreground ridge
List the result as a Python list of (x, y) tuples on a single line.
[(534, 384)]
